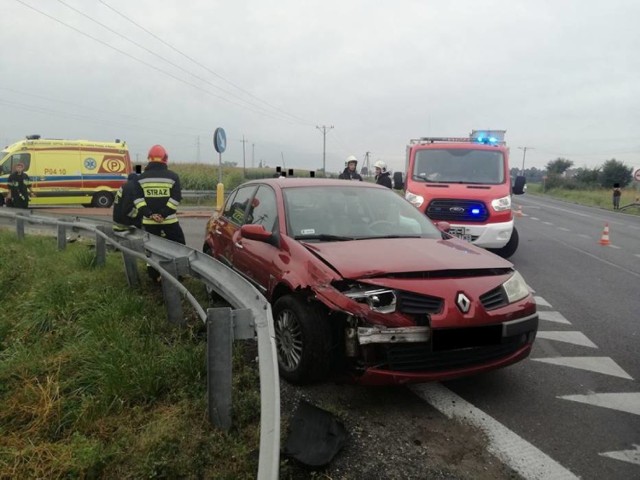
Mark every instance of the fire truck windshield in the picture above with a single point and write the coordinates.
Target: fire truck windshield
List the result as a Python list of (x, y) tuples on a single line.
[(459, 165)]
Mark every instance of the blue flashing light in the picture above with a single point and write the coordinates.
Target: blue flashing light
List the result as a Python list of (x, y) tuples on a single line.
[(475, 211), (492, 140)]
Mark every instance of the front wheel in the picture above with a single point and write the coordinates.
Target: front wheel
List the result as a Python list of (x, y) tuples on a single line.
[(102, 200), (510, 248), (303, 340)]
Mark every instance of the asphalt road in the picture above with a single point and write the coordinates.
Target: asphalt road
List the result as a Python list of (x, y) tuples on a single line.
[(577, 398)]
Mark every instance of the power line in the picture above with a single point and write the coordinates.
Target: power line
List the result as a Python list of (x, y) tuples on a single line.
[(298, 119), (164, 72)]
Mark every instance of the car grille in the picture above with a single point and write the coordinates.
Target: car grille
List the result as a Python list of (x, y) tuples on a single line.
[(457, 210), (415, 304), (451, 349), (496, 298)]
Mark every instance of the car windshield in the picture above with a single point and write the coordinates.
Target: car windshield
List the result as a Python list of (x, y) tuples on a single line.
[(459, 166), (338, 213)]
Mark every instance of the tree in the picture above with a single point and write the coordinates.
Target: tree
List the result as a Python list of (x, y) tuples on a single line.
[(587, 176), (614, 171), (559, 166)]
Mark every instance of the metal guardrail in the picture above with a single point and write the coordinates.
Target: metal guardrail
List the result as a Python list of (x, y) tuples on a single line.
[(252, 317)]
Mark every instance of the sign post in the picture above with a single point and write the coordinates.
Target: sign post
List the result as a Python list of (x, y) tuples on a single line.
[(220, 144)]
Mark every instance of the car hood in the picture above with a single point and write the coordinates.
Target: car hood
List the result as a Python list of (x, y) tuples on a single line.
[(379, 257)]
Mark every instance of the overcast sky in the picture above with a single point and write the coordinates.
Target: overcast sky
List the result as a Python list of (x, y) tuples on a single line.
[(562, 76)]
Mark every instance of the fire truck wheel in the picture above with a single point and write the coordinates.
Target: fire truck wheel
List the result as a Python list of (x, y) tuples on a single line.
[(102, 200), (510, 248)]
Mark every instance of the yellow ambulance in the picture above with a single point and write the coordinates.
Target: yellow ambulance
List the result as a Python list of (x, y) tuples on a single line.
[(68, 171)]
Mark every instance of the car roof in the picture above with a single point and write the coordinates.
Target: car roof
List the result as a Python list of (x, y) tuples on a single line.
[(289, 182)]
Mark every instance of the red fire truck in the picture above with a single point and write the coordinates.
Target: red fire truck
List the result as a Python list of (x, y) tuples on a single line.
[(465, 182)]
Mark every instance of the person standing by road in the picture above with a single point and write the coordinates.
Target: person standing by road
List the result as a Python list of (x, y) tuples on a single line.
[(382, 175), (157, 199), (617, 193), (350, 172), (19, 187), (125, 213)]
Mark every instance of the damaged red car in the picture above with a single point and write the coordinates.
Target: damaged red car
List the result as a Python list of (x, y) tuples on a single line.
[(363, 285)]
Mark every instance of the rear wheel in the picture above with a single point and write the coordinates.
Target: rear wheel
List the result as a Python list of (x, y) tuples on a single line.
[(510, 248), (303, 340), (102, 200)]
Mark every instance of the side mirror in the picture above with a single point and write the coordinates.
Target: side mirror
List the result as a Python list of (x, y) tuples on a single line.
[(398, 182), (255, 232), (519, 184)]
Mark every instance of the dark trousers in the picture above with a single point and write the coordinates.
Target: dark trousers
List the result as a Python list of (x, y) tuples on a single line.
[(172, 231)]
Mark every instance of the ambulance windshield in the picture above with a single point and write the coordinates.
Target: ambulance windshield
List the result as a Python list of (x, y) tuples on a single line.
[(459, 165)]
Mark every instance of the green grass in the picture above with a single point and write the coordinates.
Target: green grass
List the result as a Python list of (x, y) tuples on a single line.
[(601, 198), (94, 382)]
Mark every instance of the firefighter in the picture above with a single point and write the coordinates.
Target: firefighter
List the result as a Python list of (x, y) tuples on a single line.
[(125, 213), (157, 199), (350, 172), (382, 175), (19, 187)]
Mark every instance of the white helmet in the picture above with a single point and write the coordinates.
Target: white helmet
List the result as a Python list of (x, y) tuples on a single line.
[(381, 165), (351, 158)]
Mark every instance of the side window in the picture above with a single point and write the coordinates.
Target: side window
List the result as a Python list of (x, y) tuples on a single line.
[(226, 211), (237, 206), (10, 163), (263, 210)]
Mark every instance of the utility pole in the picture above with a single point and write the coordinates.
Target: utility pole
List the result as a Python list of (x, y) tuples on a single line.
[(253, 153), (524, 154), (244, 162), (366, 163), (324, 129)]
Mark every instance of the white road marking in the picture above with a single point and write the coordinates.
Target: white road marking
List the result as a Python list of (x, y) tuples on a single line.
[(624, 402), (615, 246), (542, 302), (512, 449), (548, 223), (576, 338), (535, 218), (564, 229), (637, 255), (631, 456), (604, 365), (584, 235), (552, 316)]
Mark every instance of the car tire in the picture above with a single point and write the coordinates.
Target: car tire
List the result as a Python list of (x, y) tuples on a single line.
[(102, 200), (303, 340), (510, 248)]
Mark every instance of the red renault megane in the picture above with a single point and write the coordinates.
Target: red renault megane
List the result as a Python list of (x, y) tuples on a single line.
[(362, 284)]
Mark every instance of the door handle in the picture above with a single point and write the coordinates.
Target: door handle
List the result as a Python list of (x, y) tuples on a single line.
[(239, 245)]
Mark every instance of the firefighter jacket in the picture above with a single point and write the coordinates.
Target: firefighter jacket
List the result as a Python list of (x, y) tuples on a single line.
[(125, 213), (158, 192), (19, 184)]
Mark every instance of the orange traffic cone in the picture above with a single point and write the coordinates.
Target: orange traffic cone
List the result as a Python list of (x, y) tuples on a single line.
[(519, 211), (604, 239)]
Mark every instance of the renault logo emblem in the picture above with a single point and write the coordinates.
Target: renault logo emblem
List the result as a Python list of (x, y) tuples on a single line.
[(463, 302), (456, 209)]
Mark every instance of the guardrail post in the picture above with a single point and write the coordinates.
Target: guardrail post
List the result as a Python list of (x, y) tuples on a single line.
[(62, 236), (172, 298), (101, 247), (219, 367), (20, 228)]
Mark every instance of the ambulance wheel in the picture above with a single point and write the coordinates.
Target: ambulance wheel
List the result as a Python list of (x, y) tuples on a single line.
[(510, 248), (102, 200)]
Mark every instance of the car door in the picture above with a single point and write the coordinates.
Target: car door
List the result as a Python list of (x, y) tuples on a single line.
[(255, 259), (229, 222)]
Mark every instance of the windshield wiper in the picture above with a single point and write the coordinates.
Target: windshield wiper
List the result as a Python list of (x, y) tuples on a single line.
[(389, 236), (325, 237)]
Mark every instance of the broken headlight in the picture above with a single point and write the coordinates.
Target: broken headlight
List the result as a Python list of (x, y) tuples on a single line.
[(381, 300)]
